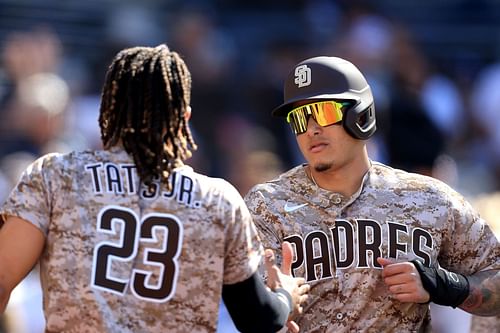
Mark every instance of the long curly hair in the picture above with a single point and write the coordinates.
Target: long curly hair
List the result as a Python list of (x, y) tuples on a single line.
[(144, 101)]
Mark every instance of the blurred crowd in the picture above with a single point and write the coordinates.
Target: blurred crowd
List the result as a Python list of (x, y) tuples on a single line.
[(443, 121)]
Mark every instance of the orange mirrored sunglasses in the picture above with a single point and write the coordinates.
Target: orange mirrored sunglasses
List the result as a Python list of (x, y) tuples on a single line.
[(325, 113)]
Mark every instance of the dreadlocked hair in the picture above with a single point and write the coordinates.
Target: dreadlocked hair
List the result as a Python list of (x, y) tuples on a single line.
[(145, 97)]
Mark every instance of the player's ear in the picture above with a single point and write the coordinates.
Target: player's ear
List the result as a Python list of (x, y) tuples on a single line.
[(187, 114)]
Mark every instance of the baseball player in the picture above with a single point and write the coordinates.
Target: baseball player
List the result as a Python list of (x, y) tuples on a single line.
[(131, 239), (376, 244)]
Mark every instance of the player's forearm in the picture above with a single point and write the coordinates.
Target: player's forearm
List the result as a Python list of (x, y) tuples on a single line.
[(484, 294), (253, 308)]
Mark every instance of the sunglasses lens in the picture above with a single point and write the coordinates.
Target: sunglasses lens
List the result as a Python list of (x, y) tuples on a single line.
[(297, 119), (324, 113), (327, 113)]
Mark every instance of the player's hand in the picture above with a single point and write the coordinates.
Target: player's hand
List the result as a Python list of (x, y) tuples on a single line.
[(403, 281), (282, 278)]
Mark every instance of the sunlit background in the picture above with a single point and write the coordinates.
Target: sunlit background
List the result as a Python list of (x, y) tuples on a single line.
[(434, 68)]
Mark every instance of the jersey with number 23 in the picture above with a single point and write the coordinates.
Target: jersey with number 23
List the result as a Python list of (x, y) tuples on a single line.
[(123, 257)]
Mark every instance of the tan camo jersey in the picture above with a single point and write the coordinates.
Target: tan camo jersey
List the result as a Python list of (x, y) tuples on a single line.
[(116, 261), (395, 214)]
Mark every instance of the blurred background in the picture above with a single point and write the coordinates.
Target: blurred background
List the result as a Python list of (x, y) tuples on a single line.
[(434, 68)]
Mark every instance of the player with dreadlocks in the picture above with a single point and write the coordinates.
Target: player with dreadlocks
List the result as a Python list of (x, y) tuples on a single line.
[(130, 238), (140, 77)]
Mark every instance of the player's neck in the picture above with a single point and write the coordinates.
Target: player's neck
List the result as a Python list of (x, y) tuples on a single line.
[(345, 179)]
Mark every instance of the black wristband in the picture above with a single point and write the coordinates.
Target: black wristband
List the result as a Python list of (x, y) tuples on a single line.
[(280, 292), (444, 288)]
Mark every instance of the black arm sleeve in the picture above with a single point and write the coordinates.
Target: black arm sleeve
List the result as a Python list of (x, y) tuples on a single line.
[(253, 308), (444, 288)]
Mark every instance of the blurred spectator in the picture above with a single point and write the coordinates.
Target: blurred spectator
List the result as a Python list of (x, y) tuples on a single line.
[(485, 110), (32, 122), (36, 113), (265, 90), (438, 96), (209, 51), (366, 39), (426, 112), (323, 19), (134, 24), (248, 152), (257, 166), (32, 115), (32, 52)]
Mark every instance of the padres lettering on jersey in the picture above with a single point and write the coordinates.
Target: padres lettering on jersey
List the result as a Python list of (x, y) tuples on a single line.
[(338, 239), (321, 252)]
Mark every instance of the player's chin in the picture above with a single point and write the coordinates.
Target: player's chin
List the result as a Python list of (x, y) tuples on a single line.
[(320, 166)]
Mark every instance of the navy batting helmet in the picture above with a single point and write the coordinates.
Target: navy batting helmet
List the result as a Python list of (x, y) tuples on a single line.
[(331, 78)]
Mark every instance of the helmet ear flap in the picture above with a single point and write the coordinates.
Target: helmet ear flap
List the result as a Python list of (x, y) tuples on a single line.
[(359, 121)]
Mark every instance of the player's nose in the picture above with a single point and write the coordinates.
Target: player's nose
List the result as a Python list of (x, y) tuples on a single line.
[(312, 127)]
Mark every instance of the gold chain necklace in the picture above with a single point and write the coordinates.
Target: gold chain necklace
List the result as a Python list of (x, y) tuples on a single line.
[(312, 178)]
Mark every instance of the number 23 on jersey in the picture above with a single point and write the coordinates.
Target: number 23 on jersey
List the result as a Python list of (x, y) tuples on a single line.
[(133, 233)]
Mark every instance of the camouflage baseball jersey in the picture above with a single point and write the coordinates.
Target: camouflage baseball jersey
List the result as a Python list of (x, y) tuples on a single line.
[(337, 240), (122, 259)]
